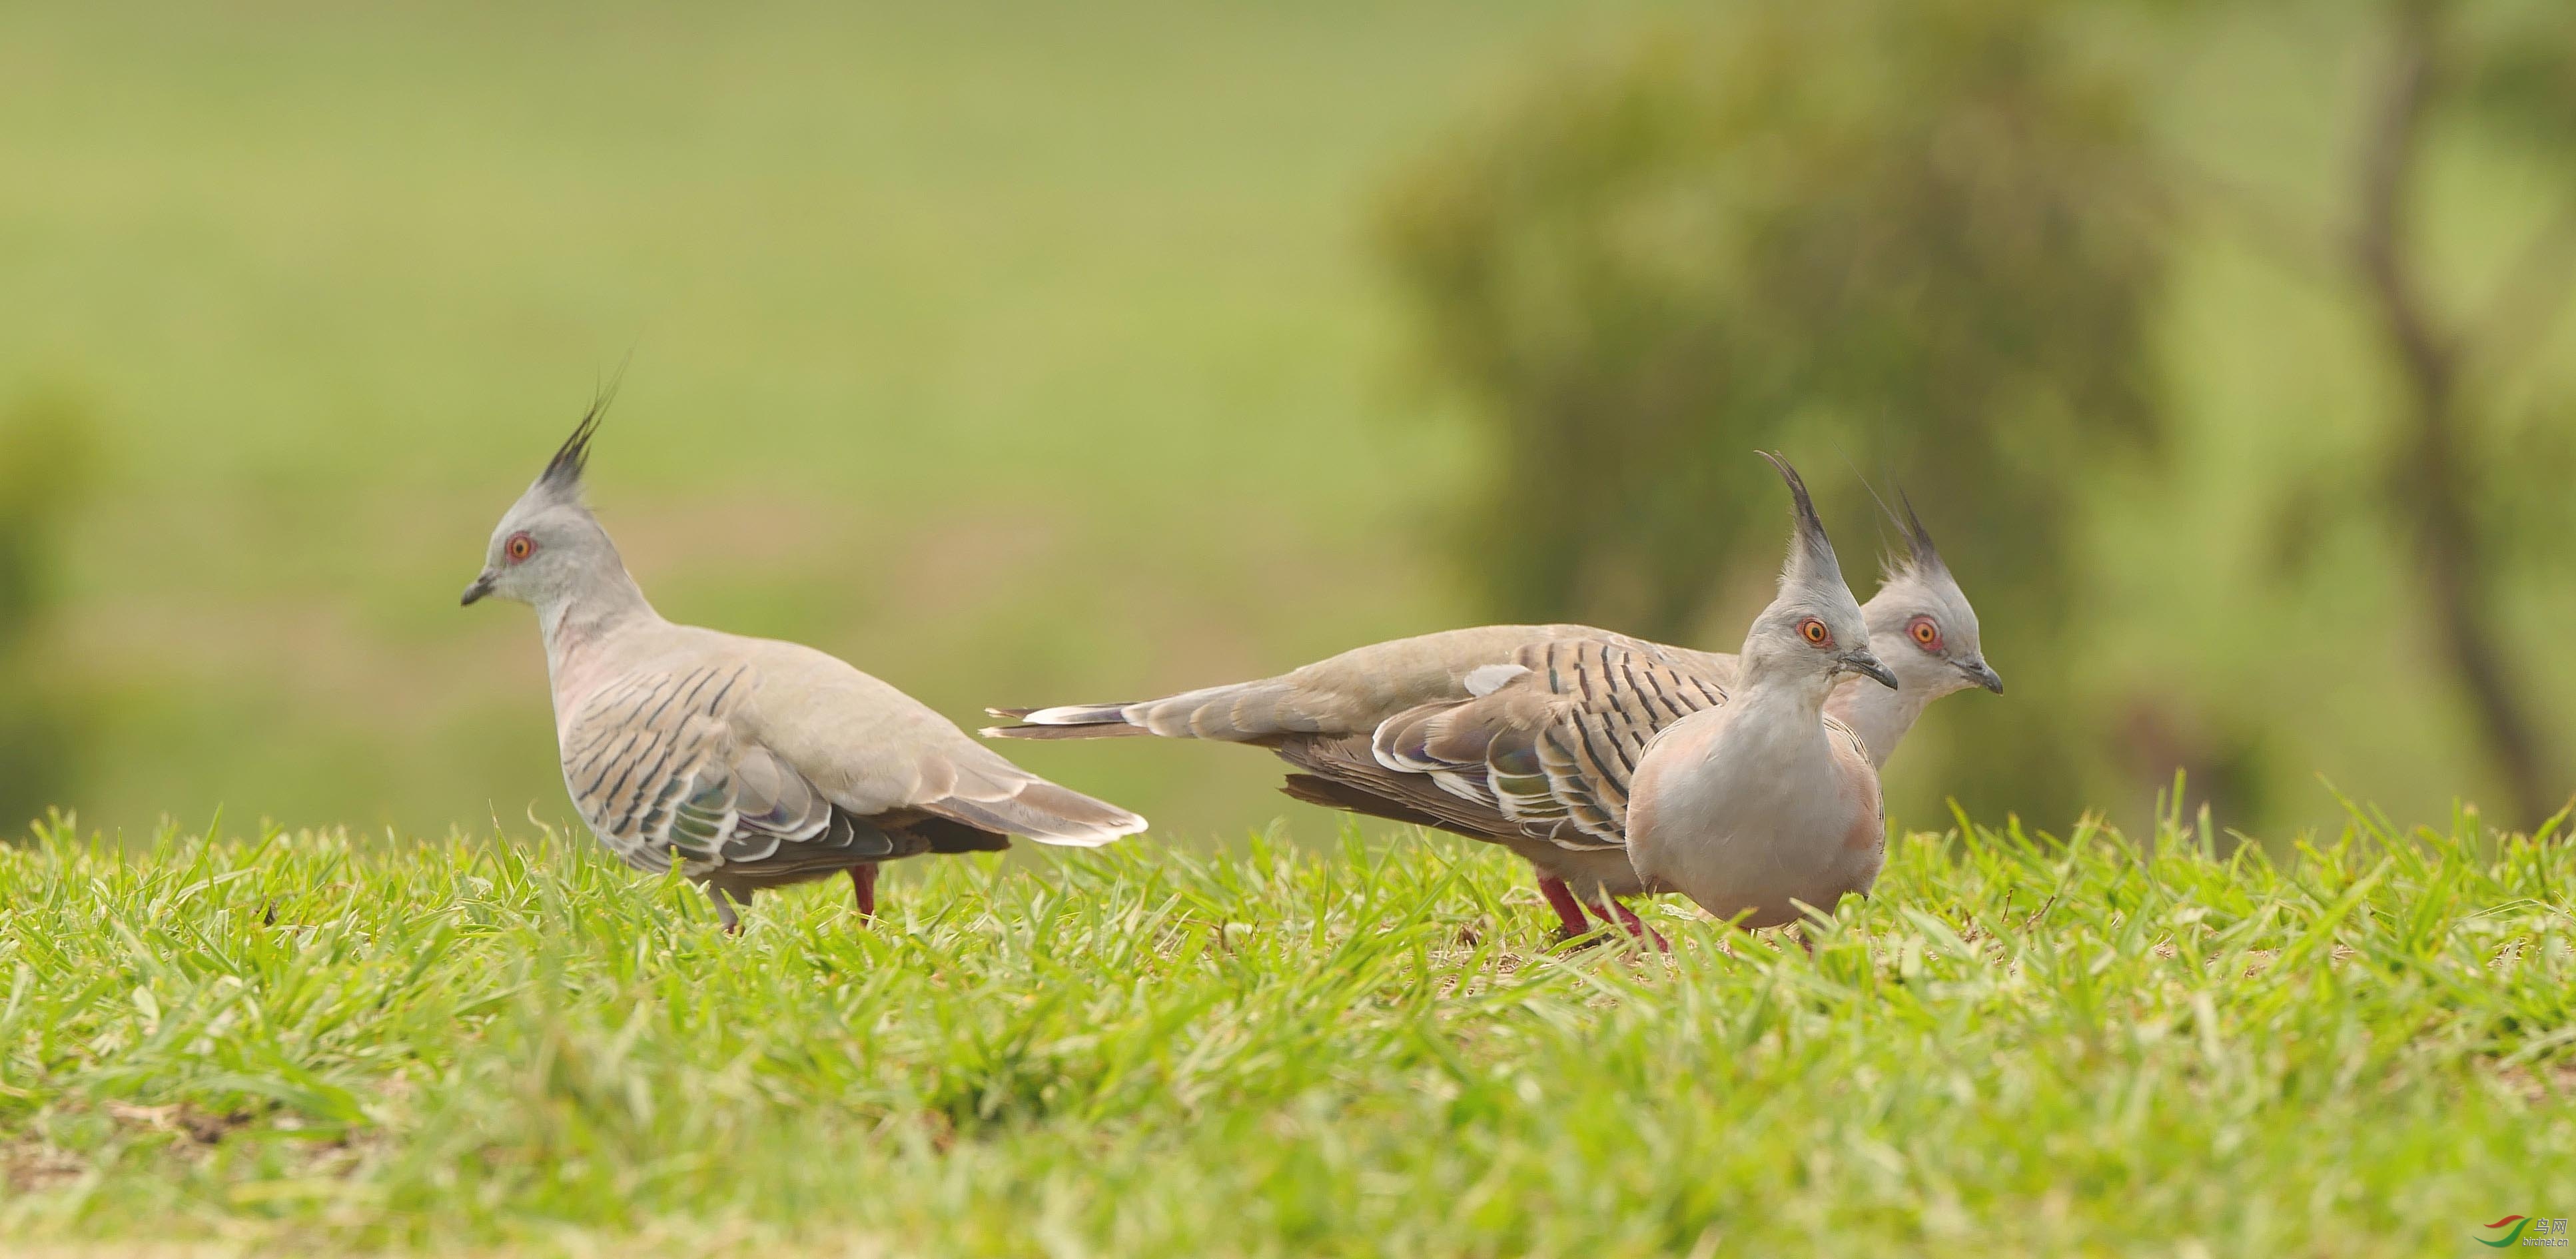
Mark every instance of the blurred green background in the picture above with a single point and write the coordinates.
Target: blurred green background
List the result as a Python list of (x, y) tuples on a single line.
[(1027, 354)]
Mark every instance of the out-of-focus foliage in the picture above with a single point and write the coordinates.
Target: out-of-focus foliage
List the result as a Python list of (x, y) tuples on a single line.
[(2519, 63), (1926, 233), (45, 452), (2518, 90), (2470, 442), (941, 316), (1997, 248)]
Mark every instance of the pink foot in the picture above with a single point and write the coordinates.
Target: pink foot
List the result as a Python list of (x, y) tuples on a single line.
[(863, 879), (1571, 923), (1612, 911)]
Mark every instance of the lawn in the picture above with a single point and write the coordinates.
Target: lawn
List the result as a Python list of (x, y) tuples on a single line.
[(331, 1044)]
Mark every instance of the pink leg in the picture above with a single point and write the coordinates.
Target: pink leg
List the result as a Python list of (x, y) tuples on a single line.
[(863, 879), (1611, 909), (1569, 911)]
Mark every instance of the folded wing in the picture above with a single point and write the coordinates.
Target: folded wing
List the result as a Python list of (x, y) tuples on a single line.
[(659, 770), (1545, 747), (696, 765)]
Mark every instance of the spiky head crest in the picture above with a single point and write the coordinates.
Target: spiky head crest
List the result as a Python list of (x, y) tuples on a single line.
[(1921, 559), (561, 481), (548, 549), (1811, 553)]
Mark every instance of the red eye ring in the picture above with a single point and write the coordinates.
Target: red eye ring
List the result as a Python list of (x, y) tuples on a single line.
[(1924, 633), (1815, 633), (519, 547)]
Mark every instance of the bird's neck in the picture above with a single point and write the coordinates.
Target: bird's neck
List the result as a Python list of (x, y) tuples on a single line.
[(1772, 746), (576, 620), (1774, 682), (1879, 715), (1778, 723)]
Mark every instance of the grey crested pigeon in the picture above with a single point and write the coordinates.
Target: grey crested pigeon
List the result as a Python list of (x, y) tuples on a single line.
[(750, 762), (1760, 806), (1342, 720)]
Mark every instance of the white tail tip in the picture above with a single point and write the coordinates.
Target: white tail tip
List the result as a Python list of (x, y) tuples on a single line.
[(1076, 715), (1095, 838)]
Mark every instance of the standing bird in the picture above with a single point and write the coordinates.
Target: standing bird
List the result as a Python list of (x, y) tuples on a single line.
[(1375, 729), (1761, 805), (753, 763)]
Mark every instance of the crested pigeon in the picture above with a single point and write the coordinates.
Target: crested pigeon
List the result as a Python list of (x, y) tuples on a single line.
[(750, 762), (1340, 721), (1761, 806)]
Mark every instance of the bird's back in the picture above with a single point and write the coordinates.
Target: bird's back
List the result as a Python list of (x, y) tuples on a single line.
[(770, 761), (1344, 694)]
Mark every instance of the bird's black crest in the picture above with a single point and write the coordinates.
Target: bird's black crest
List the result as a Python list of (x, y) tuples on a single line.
[(1920, 557), (1918, 540), (563, 472), (1812, 543)]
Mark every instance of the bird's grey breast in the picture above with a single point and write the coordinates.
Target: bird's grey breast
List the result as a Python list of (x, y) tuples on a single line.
[(1753, 810)]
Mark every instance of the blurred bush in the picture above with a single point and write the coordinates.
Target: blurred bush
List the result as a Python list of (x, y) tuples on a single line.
[(2470, 436), (1928, 233), (46, 449), (1939, 234)]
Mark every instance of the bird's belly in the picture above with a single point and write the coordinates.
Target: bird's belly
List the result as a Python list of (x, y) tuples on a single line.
[(1764, 882), (1764, 875), (769, 874), (1591, 873)]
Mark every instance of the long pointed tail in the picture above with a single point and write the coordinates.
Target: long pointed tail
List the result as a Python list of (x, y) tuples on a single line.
[(1044, 812)]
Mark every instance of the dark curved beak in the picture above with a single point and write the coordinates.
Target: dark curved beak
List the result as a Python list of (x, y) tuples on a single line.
[(482, 586), (1867, 665), (1982, 674)]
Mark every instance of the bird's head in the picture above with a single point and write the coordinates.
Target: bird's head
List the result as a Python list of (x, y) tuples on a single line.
[(548, 544), (1814, 629), (1920, 620)]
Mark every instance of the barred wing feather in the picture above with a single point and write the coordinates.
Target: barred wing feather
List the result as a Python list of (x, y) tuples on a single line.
[(1551, 749), (660, 773)]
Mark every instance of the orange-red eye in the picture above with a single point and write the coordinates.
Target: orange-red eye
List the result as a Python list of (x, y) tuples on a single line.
[(1815, 633), (1926, 635), (520, 547)]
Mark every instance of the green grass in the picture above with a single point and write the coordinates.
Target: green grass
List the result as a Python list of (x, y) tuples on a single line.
[(332, 1044)]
